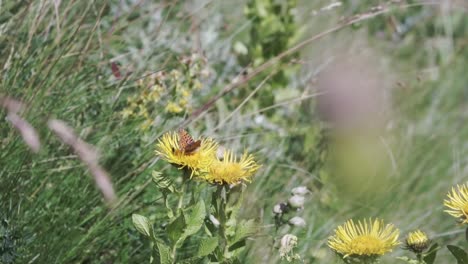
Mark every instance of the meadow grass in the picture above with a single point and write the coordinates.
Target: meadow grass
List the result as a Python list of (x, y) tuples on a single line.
[(56, 56)]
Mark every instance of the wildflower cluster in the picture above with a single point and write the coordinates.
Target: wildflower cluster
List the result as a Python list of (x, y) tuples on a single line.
[(295, 203), (366, 241), (285, 217), (204, 163), (210, 225), (167, 91)]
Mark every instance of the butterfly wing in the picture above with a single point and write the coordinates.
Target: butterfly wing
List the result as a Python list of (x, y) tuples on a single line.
[(186, 143)]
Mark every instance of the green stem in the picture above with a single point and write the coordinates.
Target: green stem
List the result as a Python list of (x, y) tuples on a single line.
[(420, 258), (180, 204), (181, 196), (222, 221)]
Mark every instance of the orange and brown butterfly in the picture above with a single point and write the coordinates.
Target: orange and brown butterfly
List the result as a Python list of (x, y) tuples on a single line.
[(186, 143)]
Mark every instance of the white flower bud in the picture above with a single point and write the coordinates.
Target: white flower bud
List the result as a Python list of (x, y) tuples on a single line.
[(214, 220), (279, 208), (301, 190), (296, 201), (297, 221)]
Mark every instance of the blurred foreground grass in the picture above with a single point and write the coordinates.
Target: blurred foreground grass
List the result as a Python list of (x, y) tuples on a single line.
[(56, 56)]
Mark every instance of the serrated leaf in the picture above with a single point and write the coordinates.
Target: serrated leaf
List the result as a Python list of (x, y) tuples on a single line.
[(193, 219), (162, 254), (235, 208), (244, 229), (459, 254), (142, 224), (162, 182), (176, 228), (207, 246), (429, 258)]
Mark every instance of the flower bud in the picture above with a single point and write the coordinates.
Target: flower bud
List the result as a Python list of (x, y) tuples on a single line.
[(297, 221), (280, 208), (417, 242), (296, 201), (214, 220), (301, 190)]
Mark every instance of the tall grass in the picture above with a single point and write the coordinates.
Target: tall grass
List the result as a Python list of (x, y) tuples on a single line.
[(55, 57)]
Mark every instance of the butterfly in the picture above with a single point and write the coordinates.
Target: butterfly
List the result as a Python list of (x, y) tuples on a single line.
[(186, 143)]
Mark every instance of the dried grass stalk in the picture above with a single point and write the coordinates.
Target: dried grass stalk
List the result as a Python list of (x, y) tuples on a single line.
[(28, 132), (87, 154)]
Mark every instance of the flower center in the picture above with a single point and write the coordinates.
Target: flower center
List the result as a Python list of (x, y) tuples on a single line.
[(227, 172), (367, 245)]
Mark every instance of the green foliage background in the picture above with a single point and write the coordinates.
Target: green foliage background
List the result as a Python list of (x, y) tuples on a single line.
[(56, 58)]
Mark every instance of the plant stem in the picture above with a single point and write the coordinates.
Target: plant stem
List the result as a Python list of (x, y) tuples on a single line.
[(185, 180), (222, 220), (420, 258)]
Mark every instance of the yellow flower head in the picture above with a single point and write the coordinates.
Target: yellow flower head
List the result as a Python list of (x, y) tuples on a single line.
[(229, 170), (169, 148), (457, 203), (364, 239), (173, 108), (417, 242)]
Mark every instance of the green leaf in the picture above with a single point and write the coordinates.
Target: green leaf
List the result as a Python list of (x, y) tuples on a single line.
[(162, 182), (235, 208), (244, 229), (161, 254), (207, 246), (195, 218), (176, 228), (430, 256), (186, 224), (238, 246), (142, 224), (459, 254)]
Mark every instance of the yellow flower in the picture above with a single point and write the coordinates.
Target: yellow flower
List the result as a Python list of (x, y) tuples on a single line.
[(169, 149), (364, 239), (174, 108), (146, 124), (457, 203), (126, 113), (185, 93), (229, 170), (417, 241), (183, 102)]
